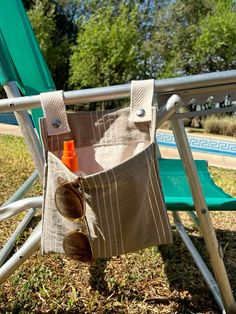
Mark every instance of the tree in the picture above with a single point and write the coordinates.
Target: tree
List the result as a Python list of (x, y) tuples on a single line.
[(108, 48), (106, 42), (55, 28), (176, 31), (215, 47), (195, 36)]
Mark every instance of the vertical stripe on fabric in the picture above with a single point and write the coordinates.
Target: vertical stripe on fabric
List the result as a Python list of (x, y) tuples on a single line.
[(54, 145), (165, 215), (56, 214), (118, 212), (92, 125), (153, 215), (116, 129), (98, 126), (53, 149), (151, 203), (110, 138), (52, 187), (104, 128), (99, 214), (53, 168), (92, 206), (106, 214), (60, 144), (112, 214), (154, 197)]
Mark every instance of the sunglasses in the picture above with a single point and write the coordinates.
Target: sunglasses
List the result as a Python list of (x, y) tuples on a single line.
[(70, 203)]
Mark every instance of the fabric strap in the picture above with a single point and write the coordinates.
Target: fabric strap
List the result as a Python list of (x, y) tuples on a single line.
[(141, 101), (55, 112)]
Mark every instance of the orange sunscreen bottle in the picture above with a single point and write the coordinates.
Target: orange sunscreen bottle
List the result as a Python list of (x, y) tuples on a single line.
[(69, 157)]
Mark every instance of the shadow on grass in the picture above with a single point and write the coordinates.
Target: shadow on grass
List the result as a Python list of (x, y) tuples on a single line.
[(183, 275), (97, 276)]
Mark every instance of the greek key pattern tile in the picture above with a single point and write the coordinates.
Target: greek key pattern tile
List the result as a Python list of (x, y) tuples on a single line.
[(8, 118), (205, 145)]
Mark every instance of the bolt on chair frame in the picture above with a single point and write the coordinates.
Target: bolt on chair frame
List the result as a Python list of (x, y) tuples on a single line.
[(171, 95)]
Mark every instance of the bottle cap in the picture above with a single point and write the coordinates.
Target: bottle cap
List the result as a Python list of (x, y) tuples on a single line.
[(69, 157)]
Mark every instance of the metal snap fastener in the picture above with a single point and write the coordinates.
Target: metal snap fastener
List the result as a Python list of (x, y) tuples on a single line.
[(140, 112), (56, 123), (203, 211)]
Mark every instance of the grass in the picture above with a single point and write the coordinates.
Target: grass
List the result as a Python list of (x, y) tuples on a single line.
[(224, 125), (155, 280)]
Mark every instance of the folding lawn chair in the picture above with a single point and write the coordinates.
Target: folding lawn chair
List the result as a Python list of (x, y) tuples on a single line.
[(205, 222), (199, 86)]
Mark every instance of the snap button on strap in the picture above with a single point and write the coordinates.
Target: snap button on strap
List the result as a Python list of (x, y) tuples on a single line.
[(140, 112), (56, 123), (55, 112)]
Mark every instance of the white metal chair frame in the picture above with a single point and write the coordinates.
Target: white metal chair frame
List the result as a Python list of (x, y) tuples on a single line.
[(171, 94)]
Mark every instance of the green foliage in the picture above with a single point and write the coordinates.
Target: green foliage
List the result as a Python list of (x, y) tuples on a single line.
[(215, 48), (176, 32), (41, 16), (52, 25), (92, 43), (196, 36), (108, 49)]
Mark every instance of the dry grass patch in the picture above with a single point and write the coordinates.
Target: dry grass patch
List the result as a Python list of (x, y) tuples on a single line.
[(224, 125)]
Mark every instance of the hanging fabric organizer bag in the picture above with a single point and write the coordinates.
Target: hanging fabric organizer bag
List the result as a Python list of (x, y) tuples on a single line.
[(117, 185)]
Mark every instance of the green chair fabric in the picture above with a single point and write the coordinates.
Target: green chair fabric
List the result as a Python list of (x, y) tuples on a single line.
[(8, 70), (177, 192), (21, 58)]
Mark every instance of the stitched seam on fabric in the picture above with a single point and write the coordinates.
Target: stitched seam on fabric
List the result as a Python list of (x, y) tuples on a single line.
[(99, 213), (162, 200), (112, 213), (92, 206), (118, 211), (150, 203), (119, 143), (106, 215), (124, 171), (155, 198)]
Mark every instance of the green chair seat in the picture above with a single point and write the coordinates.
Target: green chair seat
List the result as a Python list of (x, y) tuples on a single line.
[(177, 192)]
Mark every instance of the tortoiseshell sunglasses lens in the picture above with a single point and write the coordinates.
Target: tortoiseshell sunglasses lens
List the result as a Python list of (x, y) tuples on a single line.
[(76, 246), (69, 200)]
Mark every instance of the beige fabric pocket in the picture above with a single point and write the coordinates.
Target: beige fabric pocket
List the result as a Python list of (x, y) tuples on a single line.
[(125, 210)]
